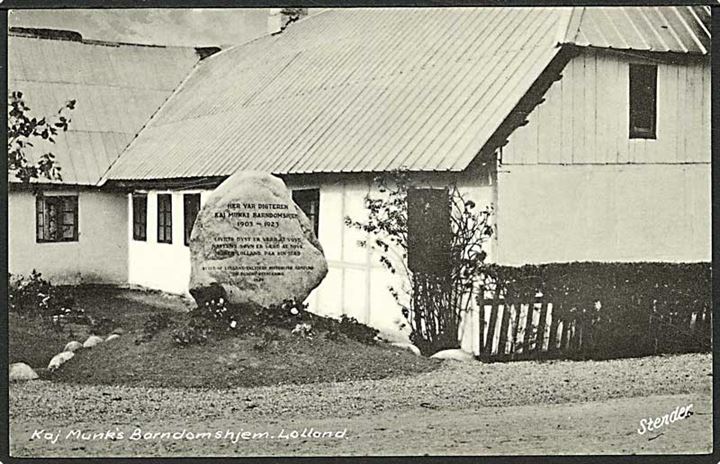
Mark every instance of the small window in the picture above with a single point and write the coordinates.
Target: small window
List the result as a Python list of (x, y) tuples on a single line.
[(57, 219), (139, 208), (164, 201), (309, 201), (643, 101), (191, 206)]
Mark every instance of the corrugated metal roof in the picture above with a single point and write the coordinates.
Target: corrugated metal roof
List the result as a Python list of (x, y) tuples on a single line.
[(117, 89), (681, 29), (350, 90), (370, 90)]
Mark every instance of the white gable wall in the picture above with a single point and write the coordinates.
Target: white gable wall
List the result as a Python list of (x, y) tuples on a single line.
[(573, 186)]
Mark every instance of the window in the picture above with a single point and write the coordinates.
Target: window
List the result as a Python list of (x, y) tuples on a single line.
[(191, 207), (643, 101), (309, 201), (139, 209), (164, 223), (429, 231), (57, 219)]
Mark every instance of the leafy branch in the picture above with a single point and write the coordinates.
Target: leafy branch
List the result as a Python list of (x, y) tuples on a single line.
[(24, 129)]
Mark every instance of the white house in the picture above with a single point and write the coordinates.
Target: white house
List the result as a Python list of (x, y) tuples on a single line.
[(587, 128), (72, 231)]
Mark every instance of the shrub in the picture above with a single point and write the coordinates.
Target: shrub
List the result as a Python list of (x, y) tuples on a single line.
[(350, 327), (436, 289), (36, 297), (153, 325), (195, 332), (623, 309)]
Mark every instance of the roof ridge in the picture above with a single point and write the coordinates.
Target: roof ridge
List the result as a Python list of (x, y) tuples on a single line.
[(66, 35), (570, 27)]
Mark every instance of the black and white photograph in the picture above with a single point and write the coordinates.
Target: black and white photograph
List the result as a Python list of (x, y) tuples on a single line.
[(368, 231)]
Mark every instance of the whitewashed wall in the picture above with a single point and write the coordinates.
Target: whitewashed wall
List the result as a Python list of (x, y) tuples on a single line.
[(99, 255), (584, 119), (162, 266), (574, 187), (357, 284)]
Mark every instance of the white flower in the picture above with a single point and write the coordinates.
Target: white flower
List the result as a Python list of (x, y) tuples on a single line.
[(233, 324), (221, 301), (293, 311)]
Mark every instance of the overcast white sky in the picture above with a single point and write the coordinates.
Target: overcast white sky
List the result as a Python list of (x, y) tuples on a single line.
[(191, 27)]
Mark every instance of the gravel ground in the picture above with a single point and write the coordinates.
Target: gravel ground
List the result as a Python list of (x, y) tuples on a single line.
[(559, 407), (453, 386)]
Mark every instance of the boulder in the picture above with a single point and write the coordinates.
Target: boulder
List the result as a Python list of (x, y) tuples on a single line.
[(60, 359), (73, 346), (21, 371), (456, 355), (119, 331), (408, 347), (112, 337), (91, 341), (252, 245)]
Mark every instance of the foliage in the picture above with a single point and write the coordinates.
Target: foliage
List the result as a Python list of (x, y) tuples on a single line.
[(33, 296), (269, 338), (102, 325), (352, 328), (154, 324), (190, 334), (623, 309), (303, 330), (434, 301), (217, 317), (24, 129)]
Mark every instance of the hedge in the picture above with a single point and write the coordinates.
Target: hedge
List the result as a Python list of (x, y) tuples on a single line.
[(622, 309)]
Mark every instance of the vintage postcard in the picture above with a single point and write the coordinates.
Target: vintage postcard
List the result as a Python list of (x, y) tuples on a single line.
[(478, 231)]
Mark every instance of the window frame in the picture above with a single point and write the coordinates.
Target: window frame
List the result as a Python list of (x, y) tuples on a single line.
[(188, 201), (309, 197), (642, 103), (164, 218), (60, 202), (139, 224)]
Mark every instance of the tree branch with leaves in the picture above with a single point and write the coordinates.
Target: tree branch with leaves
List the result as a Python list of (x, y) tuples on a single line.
[(24, 130)]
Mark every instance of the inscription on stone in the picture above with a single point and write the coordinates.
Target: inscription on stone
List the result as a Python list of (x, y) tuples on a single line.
[(255, 242)]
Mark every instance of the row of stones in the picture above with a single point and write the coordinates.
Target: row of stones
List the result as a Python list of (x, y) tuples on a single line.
[(21, 371)]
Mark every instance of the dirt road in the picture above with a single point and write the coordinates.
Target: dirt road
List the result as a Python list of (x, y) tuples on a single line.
[(463, 408)]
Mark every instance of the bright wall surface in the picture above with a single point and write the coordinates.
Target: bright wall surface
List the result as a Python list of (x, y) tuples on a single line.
[(357, 283), (162, 266), (100, 254), (585, 116), (573, 186), (603, 213)]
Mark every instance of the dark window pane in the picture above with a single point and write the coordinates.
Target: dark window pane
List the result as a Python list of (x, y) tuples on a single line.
[(429, 231), (309, 202), (164, 218), (643, 101), (139, 217), (57, 218), (191, 206)]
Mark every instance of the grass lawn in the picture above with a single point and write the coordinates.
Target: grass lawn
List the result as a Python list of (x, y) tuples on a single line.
[(221, 363), (34, 342), (387, 401)]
